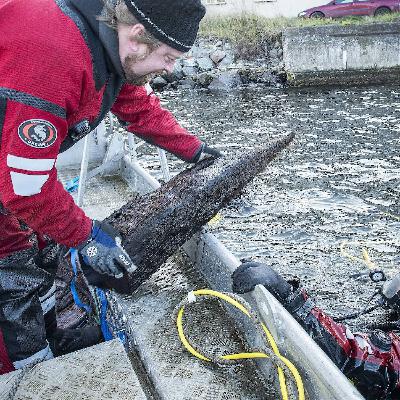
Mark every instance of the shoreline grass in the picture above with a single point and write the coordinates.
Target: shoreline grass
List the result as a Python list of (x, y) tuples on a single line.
[(254, 32)]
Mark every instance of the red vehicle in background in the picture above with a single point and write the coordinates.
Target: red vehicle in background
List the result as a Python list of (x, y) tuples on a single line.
[(343, 8)]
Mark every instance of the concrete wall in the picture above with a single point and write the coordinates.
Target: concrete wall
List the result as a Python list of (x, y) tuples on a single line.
[(341, 51), (266, 8)]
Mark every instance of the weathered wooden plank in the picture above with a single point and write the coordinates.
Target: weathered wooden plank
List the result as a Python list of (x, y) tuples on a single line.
[(154, 226)]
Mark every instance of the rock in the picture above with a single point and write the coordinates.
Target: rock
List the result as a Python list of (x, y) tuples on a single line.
[(189, 71), (268, 78), (244, 76), (282, 76), (199, 52), (227, 60), (260, 75), (274, 69), (189, 62), (205, 64), (251, 75), (172, 85), (177, 73), (187, 83), (219, 44), (274, 53), (225, 81), (158, 83), (217, 56), (204, 79), (272, 77)]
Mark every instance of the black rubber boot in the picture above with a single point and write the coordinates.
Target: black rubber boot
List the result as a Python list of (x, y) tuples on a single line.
[(65, 341)]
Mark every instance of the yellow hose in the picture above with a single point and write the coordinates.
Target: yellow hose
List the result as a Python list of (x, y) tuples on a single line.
[(239, 356), (365, 259), (289, 364)]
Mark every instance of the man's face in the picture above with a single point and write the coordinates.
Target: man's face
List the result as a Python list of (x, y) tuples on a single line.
[(138, 61)]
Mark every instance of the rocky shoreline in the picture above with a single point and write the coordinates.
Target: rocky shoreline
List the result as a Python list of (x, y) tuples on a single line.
[(299, 57), (217, 65)]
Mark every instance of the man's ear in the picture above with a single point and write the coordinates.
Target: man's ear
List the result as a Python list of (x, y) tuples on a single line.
[(134, 32)]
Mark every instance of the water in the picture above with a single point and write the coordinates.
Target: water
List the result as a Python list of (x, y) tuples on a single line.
[(338, 182)]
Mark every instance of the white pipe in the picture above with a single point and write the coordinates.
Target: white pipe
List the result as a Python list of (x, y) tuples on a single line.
[(164, 164), (83, 173)]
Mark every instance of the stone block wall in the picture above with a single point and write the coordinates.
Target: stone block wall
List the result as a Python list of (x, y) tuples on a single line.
[(331, 53)]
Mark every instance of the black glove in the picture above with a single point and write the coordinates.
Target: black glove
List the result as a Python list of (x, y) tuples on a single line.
[(104, 253), (250, 274), (207, 152)]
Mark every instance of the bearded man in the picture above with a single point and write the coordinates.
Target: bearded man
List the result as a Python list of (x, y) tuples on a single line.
[(64, 64)]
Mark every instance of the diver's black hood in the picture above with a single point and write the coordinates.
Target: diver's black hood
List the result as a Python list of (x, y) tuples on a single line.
[(90, 10)]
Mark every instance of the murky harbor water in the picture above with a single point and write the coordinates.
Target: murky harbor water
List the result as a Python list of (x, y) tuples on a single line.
[(338, 182)]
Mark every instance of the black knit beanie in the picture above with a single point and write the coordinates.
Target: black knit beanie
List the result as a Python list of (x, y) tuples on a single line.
[(173, 22)]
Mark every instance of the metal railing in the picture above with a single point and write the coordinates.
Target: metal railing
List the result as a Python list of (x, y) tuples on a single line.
[(129, 148)]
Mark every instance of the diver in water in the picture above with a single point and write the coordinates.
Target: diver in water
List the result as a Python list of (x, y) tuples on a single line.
[(371, 361)]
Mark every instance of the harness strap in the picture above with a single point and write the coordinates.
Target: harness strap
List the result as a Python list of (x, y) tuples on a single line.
[(77, 300)]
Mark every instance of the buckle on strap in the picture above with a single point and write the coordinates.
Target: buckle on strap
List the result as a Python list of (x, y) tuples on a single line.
[(80, 130), (3, 211)]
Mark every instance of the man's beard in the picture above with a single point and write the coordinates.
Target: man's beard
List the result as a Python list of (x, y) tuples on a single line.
[(130, 76)]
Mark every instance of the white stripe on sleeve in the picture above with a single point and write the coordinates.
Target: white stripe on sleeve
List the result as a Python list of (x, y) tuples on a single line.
[(30, 164), (27, 185)]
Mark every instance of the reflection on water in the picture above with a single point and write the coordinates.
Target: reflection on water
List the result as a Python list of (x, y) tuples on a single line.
[(338, 182)]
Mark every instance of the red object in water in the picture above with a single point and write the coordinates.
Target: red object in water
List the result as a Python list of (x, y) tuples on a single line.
[(343, 8)]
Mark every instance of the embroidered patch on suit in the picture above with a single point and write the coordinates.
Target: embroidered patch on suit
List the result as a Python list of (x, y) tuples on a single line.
[(37, 133)]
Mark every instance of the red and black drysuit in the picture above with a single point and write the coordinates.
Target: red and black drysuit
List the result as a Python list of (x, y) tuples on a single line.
[(371, 361), (60, 73)]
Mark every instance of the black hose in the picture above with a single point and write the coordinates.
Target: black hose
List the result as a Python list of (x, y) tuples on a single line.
[(356, 314), (385, 326), (363, 311)]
